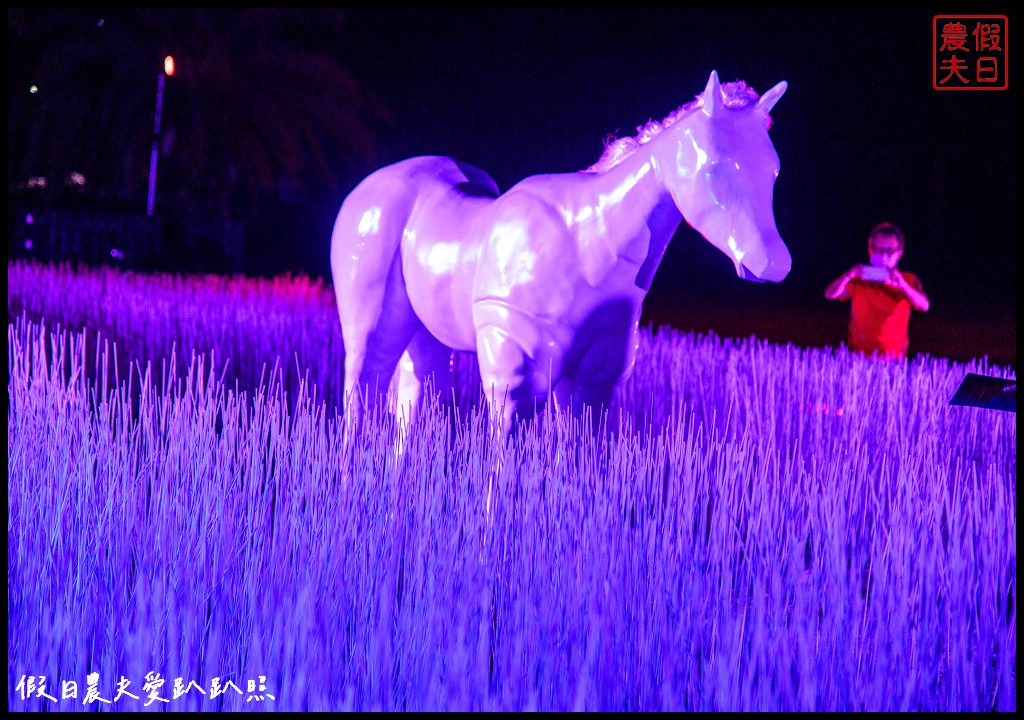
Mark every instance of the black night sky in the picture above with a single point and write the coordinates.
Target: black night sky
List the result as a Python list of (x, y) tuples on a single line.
[(861, 133)]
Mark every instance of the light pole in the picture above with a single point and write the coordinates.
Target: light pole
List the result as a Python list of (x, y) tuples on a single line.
[(155, 148)]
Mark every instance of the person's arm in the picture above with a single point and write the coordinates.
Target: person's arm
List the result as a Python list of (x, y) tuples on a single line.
[(836, 289), (915, 295)]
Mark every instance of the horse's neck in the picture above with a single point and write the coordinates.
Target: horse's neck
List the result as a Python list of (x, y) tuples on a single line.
[(638, 215)]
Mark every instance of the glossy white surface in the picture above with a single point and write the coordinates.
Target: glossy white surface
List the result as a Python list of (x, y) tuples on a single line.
[(545, 281)]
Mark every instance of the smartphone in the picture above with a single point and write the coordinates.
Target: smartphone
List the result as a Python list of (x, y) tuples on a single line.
[(874, 274)]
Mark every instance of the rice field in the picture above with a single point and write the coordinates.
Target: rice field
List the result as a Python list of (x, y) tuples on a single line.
[(752, 526)]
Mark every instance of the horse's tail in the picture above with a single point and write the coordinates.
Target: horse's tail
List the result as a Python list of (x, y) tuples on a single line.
[(365, 240), (367, 236), (375, 214), (366, 270)]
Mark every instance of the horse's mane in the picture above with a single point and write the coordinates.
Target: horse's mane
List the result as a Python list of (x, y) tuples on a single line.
[(736, 95)]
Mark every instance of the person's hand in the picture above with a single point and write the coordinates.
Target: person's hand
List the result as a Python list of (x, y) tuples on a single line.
[(896, 279), (856, 272)]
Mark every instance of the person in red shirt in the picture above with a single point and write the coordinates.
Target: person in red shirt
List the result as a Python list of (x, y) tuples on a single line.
[(881, 296)]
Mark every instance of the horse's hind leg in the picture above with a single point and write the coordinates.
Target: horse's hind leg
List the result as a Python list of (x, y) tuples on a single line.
[(377, 323), (426, 363)]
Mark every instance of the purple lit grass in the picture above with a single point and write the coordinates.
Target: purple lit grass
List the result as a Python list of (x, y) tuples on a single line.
[(764, 527)]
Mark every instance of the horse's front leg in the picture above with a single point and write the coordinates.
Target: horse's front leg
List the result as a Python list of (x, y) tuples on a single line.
[(515, 384), (600, 361), (577, 396)]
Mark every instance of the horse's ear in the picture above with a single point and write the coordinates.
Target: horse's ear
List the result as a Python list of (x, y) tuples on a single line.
[(712, 95), (767, 101)]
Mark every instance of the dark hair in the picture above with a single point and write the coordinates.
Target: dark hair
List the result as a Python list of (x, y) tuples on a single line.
[(887, 228)]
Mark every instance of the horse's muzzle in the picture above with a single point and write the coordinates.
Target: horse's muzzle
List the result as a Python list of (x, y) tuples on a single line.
[(775, 270)]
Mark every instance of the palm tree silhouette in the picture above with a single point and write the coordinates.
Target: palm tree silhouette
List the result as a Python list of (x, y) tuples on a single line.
[(259, 106)]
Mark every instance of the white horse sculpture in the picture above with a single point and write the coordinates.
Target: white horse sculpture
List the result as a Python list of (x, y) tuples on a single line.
[(545, 282)]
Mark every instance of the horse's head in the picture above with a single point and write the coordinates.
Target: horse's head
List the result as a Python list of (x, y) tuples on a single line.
[(723, 173)]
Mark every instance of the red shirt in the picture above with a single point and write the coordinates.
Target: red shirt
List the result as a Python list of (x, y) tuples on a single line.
[(879, 315)]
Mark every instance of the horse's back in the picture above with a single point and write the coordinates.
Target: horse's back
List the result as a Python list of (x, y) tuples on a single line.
[(378, 209), (400, 184)]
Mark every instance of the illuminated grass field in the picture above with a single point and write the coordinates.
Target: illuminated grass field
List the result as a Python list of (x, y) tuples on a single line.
[(754, 527)]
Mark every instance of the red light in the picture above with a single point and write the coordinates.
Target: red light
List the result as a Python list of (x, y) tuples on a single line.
[(169, 66)]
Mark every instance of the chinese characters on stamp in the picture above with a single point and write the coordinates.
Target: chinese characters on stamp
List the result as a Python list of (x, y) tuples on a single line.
[(969, 52)]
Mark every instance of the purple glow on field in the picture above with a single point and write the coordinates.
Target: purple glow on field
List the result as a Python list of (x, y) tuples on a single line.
[(723, 542)]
